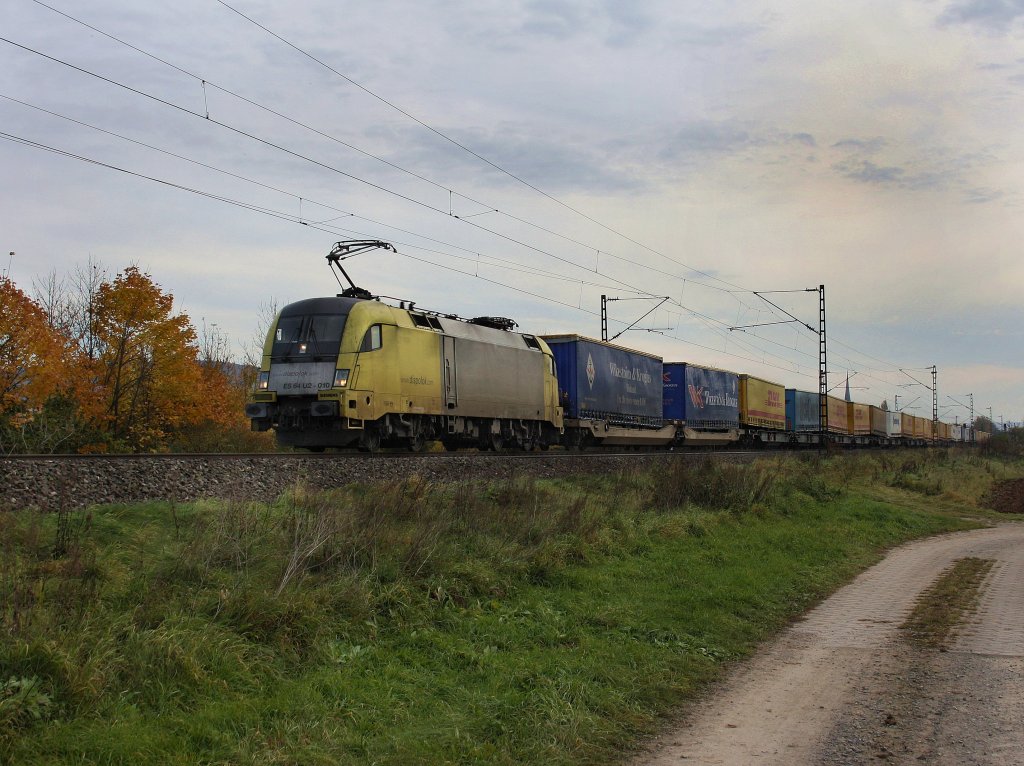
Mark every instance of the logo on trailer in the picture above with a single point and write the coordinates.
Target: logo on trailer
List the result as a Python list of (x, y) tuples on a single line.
[(590, 370), (697, 396)]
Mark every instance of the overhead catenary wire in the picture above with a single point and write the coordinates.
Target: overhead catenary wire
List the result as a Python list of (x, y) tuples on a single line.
[(204, 83), (462, 146), (492, 261), (501, 263), (519, 219), (293, 218), (488, 208), (324, 165)]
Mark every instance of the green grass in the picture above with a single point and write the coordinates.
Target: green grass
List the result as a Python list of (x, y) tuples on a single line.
[(516, 622), (943, 607)]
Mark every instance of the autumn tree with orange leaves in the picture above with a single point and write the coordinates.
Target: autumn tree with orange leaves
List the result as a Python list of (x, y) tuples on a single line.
[(145, 372), (112, 366), (31, 352), (36, 412)]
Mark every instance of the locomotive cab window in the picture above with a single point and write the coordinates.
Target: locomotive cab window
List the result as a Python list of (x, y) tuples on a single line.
[(288, 329), (372, 339), (531, 342)]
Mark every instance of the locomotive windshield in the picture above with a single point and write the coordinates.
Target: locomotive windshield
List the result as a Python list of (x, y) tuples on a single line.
[(310, 330), (309, 336)]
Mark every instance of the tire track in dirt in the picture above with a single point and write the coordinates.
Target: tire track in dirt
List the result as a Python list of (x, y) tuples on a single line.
[(842, 687)]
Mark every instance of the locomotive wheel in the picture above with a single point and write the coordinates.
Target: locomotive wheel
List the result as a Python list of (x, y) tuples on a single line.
[(370, 440), (527, 442), (417, 442), (495, 442)]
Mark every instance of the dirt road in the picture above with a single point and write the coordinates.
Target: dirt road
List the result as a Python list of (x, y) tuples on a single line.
[(844, 687)]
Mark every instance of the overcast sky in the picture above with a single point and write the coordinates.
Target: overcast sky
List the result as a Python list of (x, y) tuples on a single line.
[(686, 149)]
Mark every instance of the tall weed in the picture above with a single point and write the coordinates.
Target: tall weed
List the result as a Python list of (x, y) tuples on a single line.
[(710, 484)]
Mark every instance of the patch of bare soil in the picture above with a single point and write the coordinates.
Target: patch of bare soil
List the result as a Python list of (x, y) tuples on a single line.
[(1006, 496), (845, 686)]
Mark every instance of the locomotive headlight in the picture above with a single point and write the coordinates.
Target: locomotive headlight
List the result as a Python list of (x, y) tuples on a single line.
[(263, 381), (340, 378), (302, 348)]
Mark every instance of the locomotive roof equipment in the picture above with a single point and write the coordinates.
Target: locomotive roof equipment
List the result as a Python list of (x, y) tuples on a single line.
[(346, 249)]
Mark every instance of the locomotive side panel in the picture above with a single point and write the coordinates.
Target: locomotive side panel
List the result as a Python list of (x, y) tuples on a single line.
[(393, 366), (497, 381)]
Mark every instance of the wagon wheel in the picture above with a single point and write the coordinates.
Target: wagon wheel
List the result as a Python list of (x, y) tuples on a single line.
[(495, 442), (574, 439), (370, 440)]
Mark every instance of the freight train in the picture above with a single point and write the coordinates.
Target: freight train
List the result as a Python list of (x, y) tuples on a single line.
[(352, 371)]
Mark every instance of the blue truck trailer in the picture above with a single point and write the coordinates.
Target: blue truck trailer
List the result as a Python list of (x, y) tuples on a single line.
[(609, 394), (802, 411), (701, 398), (701, 402)]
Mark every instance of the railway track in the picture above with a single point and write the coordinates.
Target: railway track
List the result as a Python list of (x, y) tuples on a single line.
[(383, 455), (55, 482)]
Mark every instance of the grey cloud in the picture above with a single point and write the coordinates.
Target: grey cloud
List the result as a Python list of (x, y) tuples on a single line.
[(627, 21), (693, 35), (555, 164), (558, 166), (869, 172), (980, 195), (862, 145), (539, 22), (553, 18), (995, 15), (938, 171), (703, 137)]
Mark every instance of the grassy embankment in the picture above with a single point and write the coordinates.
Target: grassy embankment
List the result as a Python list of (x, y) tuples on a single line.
[(524, 622)]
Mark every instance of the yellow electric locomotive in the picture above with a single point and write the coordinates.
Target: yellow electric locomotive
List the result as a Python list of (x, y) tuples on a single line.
[(352, 371)]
